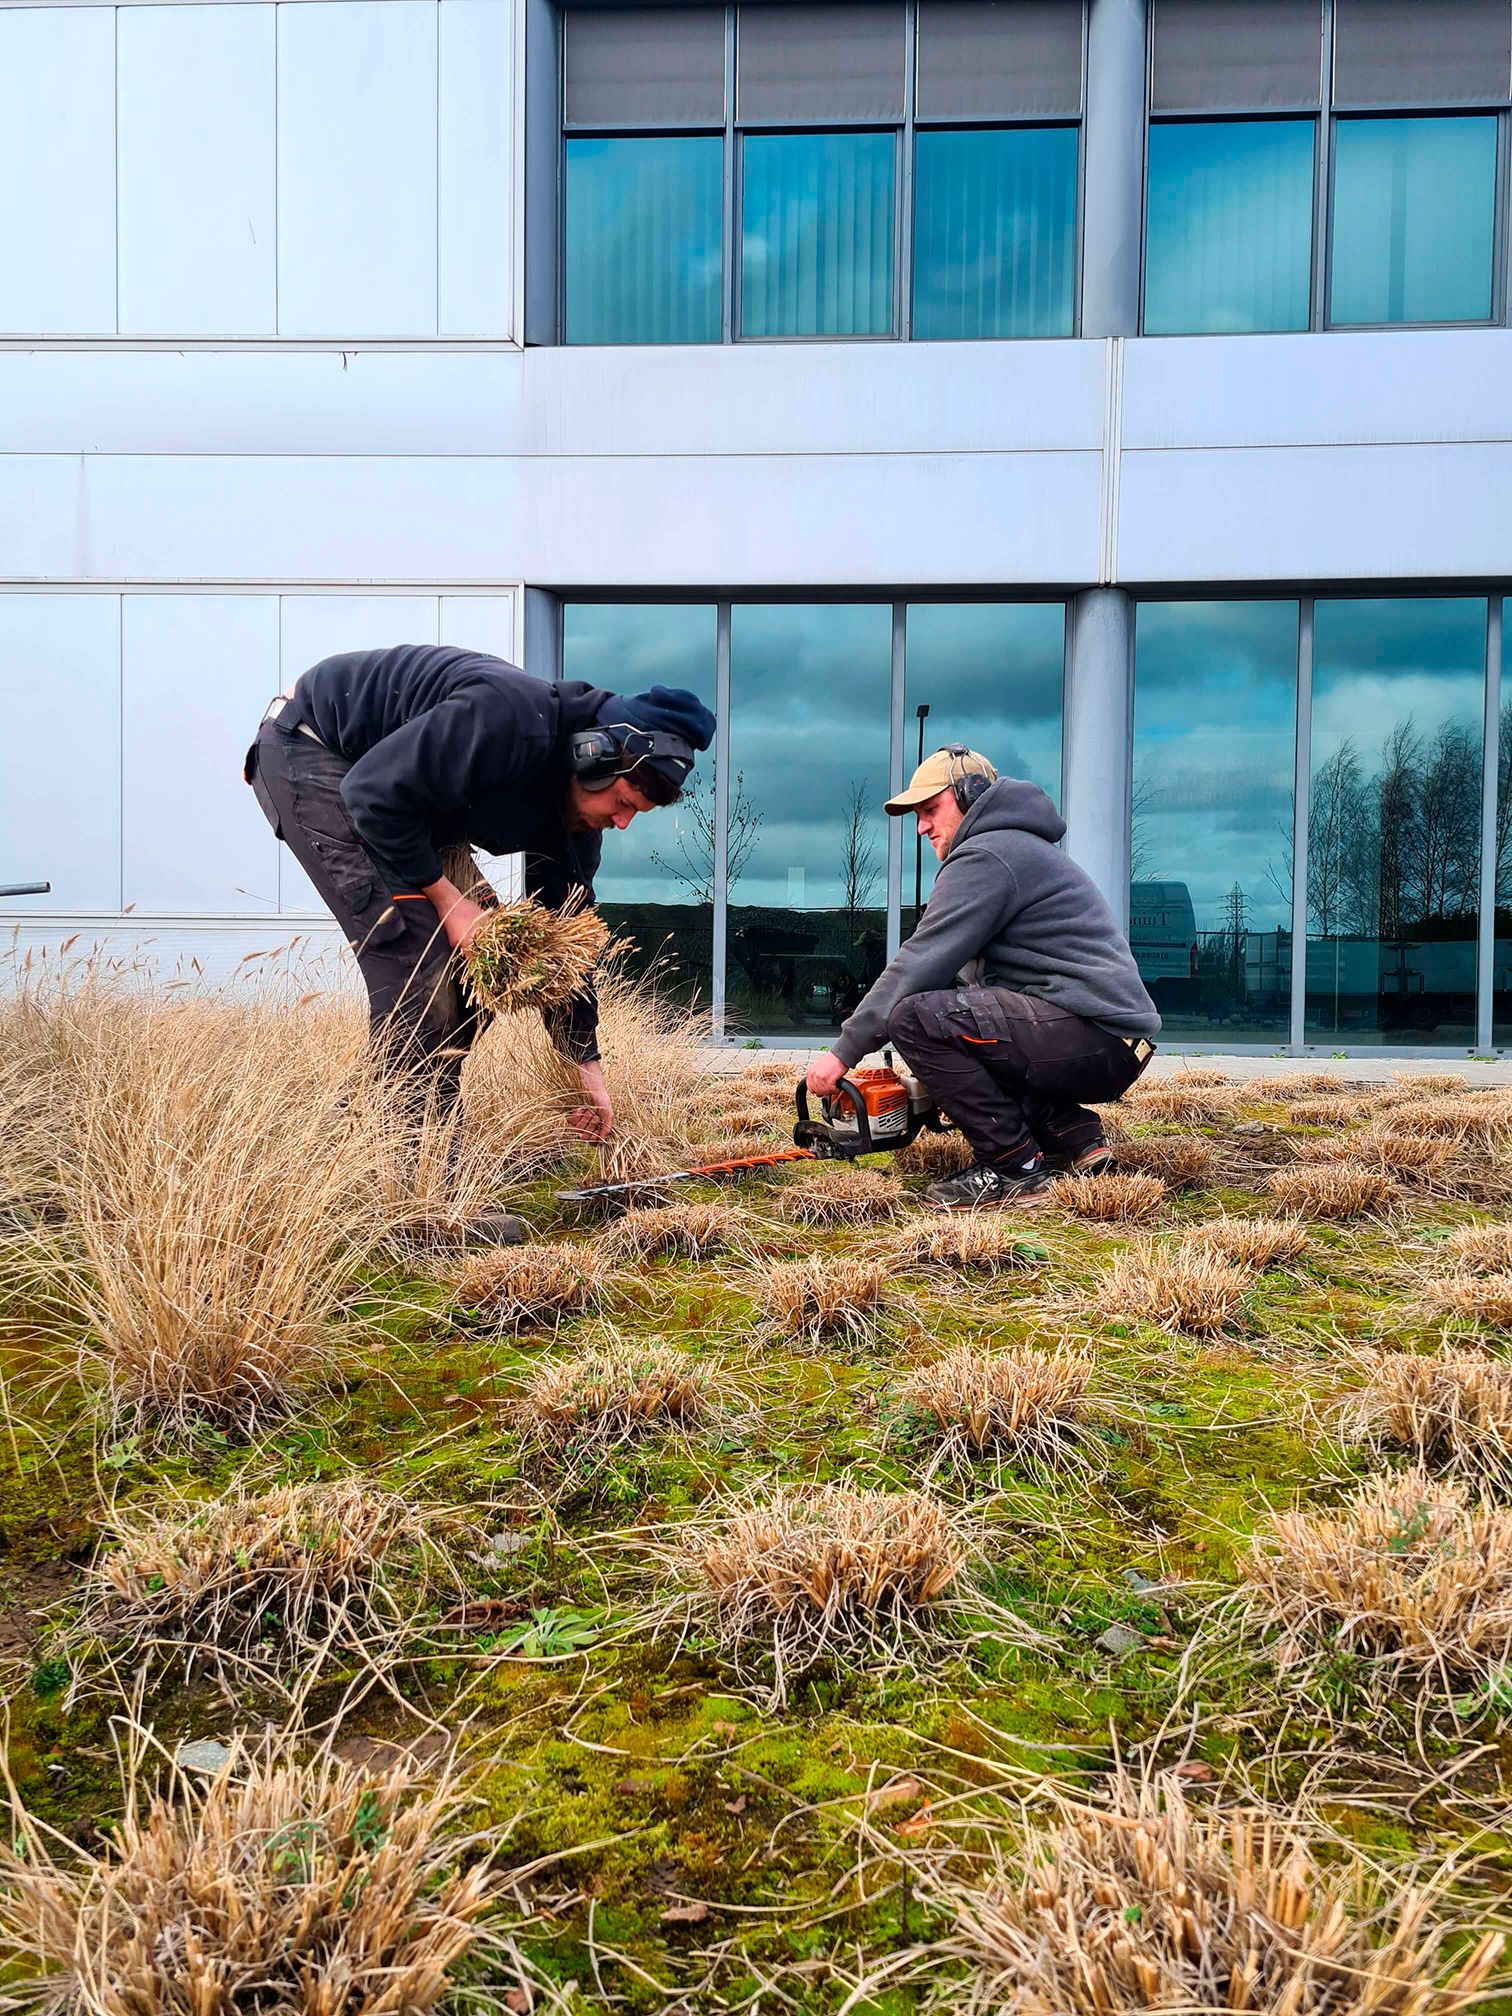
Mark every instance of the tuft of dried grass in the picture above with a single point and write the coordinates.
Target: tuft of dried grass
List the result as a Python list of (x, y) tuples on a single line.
[(1198, 1292), (260, 1582), (1144, 1901), (1198, 1077), (1474, 1298), (934, 1155), (276, 1885), (1290, 1086), (1407, 1086), (1020, 1402), (1484, 1118), (1254, 1243), (523, 955), (1333, 1190), (534, 1286), (820, 1572), (1334, 1111), (823, 1297), (683, 1231), (966, 1244), (1452, 1411), (1482, 1249), (845, 1196), (1180, 1161), (1175, 1099), (1116, 1198), (614, 1393), (1422, 1159), (1409, 1571)]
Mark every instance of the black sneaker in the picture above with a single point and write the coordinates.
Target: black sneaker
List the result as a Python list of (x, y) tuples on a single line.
[(1096, 1161), (983, 1188)]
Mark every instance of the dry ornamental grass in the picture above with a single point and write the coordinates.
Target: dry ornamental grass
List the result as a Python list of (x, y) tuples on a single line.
[(840, 1196), (1250, 1242), (1019, 1402), (1474, 1298), (1146, 1902), (1333, 1111), (1116, 1198), (523, 955), (1291, 1086), (1422, 1159), (934, 1155), (684, 1231), (1410, 1572), (1482, 1249), (1180, 1161), (534, 1286), (261, 1582), (1484, 1118), (1332, 1190), (823, 1299), (1199, 1292), (614, 1393), (966, 1244), (1172, 1099), (1452, 1411), (276, 1886)]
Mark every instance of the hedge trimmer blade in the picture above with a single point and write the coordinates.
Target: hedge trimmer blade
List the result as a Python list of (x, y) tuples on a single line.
[(734, 1166)]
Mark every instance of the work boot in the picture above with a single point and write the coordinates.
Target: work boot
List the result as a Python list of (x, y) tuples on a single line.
[(495, 1228), (984, 1188), (1097, 1161)]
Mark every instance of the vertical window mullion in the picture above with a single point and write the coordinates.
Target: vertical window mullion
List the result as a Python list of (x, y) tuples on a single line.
[(1301, 807), (1323, 180), (895, 777), (730, 280), (903, 234), (1489, 865), (721, 816)]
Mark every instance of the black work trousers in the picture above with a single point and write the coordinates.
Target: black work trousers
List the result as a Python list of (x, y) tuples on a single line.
[(422, 1026), (1012, 1070)]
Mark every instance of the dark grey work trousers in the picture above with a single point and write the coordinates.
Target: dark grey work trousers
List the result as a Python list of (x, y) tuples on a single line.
[(1011, 1070), (422, 1026)]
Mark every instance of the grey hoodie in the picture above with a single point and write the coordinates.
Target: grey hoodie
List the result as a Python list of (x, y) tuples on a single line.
[(1009, 909)]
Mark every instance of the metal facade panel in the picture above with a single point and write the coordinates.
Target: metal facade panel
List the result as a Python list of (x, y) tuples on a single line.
[(57, 167), (475, 213), (196, 96), (1000, 59), (820, 65), (1236, 55), (196, 673), (357, 165), (1403, 52), (650, 66)]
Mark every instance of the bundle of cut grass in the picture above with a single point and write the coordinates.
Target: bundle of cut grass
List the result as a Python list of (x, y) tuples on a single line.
[(532, 1287), (934, 1155), (1453, 1411), (824, 1298), (614, 1393), (1195, 1291), (523, 955), (1255, 1243), (1180, 1161), (1409, 1572), (820, 1573), (1174, 1098), (1020, 1402), (686, 1231), (1331, 1190), (1474, 1298), (277, 1885), (968, 1243), (1482, 1249), (846, 1196), (1143, 1902), (1118, 1198), (261, 1582), (1336, 1110)]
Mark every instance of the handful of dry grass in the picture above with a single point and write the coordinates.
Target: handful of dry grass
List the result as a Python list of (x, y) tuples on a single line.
[(1019, 1402), (840, 1197), (1191, 1290), (276, 1885), (1332, 1190), (1114, 1198), (1410, 1571), (531, 1287), (823, 1298), (967, 1243), (1452, 1411), (614, 1393), (261, 1582), (523, 955)]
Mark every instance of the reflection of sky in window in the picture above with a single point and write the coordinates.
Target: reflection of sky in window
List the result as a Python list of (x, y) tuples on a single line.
[(994, 232), (628, 646), (1377, 664), (1413, 220), (1214, 741), (1228, 242), (817, 234), (644, 231), (808, 721), (992, 673)]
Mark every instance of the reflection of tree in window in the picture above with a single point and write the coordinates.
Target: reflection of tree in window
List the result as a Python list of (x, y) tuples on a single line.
[(1399, 852), (692, 860), (859, 859)]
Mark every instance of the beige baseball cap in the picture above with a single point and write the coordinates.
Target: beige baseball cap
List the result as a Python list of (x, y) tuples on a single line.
[(938, 773)]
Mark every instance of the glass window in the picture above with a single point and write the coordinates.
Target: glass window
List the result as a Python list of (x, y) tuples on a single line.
[(809, 689), (817, 234), (989, 674), (994, 232), (1501, 942), (644, 238), (1228, 238), (1215, 711), (1393, 836), (1413, 220), (655, 884)]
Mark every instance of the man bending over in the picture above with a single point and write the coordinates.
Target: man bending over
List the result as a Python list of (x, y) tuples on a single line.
[(1017, 997)]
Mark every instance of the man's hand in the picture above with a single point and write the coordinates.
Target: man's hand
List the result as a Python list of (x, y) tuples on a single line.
[(824, 1074), (594, 1122), (459, 915)]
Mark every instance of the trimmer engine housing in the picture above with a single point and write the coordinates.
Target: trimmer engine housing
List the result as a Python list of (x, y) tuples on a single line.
[(869, 1112)]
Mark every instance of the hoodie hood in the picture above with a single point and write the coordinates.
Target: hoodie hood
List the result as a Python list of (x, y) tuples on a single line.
[(1012, 804)]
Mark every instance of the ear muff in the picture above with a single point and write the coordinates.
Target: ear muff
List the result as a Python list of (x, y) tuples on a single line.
[(598, 755), (966, 786)]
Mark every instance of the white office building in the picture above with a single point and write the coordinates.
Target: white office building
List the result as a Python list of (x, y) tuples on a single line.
[(1124, 389)]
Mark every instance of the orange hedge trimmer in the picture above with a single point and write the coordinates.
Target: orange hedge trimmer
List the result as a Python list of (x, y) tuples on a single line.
[(869, 1113)]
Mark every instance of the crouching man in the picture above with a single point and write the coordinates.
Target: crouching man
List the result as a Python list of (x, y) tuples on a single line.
[(1016, 999), (374, 761)]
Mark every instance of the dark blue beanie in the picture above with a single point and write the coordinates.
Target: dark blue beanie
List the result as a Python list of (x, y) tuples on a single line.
[(670, 709)]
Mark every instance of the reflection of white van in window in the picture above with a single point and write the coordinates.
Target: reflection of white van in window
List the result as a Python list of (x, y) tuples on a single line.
[(1163, 939)]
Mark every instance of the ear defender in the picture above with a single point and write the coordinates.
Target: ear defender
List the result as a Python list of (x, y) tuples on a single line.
[(966, 786), (596, 756)]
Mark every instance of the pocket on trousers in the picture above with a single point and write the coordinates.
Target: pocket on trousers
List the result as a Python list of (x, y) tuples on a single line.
[(327, 829)]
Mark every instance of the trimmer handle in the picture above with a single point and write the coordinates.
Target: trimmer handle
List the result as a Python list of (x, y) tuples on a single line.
[(809, 1132), (24, 888)]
